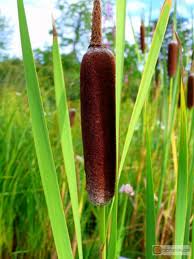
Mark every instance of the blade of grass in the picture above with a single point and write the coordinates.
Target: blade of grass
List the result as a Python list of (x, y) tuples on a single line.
[(190, 191), (121, 227), (182, 183), (175, 15), (192, 247), (137, 50), (120, 43), (102, 217), (65, 137), (42, 144), (169, 127), (150, 210), (147, 76)]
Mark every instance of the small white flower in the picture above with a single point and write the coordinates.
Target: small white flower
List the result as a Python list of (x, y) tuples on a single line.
[(128, 189)]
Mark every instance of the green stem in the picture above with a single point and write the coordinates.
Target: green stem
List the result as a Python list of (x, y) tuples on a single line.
[(102, 223), (166, 148), (192, 257)]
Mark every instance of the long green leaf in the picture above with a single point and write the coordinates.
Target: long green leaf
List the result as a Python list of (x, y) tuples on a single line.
[(190, 191), (120, 44), (150, 210), (147, 76), (169, 127), (42, 145), (192, 247), (66, 138), (182, 184)]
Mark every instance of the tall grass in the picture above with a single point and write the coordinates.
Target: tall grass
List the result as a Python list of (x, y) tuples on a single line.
[(182, 184), (150, 208)]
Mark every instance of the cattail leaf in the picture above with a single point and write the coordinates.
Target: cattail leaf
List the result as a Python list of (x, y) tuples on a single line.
[(120, 44), (150, 210), (190, 201), (192, 248), (66, 138), (182, 183), (42, 145), (190, 185), (169, 127), (137, 51), (175, 16), (147, 76)]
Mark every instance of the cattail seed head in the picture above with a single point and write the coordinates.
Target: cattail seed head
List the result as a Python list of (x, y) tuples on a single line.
[(179, 100), (172, 58), (142, 37), (190, 91), (72, 113), (97, 92), (157, 78), (157, 74)]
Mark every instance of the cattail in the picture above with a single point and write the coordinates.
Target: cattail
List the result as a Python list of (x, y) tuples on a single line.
[(157, 74), (72, 113), (172, 58), (157, 77), (142, 37), (97, 83), (190, 91), (179, 100)]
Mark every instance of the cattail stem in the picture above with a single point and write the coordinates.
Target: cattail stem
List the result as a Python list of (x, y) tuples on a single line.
[(96, 37), (102, 218)]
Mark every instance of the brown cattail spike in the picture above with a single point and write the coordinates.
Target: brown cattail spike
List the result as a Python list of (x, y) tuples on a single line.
[(172, 58), (157, 74), (96, 37), (142, 37), (97, 93), (190, 91), (72, 114)]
